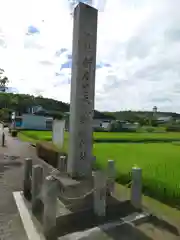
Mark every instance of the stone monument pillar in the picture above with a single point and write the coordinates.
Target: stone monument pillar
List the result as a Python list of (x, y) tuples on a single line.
[(82, 91)]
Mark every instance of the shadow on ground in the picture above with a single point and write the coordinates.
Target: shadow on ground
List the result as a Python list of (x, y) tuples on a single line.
[(152, 228), (126, 232), (7, 165), (163, 225)]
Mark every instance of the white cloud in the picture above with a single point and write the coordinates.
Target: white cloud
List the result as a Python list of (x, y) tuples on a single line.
[(140, 39)]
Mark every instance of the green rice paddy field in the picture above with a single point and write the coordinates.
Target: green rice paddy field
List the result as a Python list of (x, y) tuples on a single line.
[(47, 135), (160, 161)]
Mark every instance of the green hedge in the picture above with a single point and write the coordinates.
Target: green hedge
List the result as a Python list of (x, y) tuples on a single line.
[(14, 133), (99, 129), (173, 128), (49, 153), (150, 140)]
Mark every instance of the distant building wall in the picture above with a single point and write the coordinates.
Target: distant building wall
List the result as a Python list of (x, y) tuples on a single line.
[(35, 122), (130, 126), (105, 124), (97, 123), (18, 121)]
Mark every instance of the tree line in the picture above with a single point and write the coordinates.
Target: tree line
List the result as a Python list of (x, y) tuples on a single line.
[(20, 103)]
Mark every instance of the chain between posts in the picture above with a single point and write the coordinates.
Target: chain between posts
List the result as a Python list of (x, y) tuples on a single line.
[(126, 186), (73, 198), (77, 198), (55, 171)]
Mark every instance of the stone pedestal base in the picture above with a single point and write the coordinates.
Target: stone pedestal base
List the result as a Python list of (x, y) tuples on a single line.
[(82, 219), (74, 194), (76, 206)]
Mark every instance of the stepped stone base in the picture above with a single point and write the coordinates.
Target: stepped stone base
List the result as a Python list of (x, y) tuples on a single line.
[(80, 220), (76, 211)]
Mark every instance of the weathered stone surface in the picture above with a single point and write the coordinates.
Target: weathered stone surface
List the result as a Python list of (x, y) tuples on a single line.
[(50, 193), (111, 177), (136, 189), (27, 178), (100, 193), (37, 181), (82, 91)]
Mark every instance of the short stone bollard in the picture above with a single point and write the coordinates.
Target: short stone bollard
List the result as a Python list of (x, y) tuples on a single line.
[(111, 177), (62, 164), (37, 181), (50, 193), (136, 188), (27, 178), (3, 139), (100, 193)]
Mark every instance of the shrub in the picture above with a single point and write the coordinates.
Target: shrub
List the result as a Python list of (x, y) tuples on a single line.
[(49, 153), (173, 128), (150, 129), (115, 127), (99, 129), (130, 130), (14, 133), (5, 124)]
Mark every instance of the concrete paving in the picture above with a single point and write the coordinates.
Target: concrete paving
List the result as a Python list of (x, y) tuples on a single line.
[(11, 169)]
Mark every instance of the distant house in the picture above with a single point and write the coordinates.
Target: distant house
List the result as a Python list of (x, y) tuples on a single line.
[(164, 120), (177, 120), (97, 122), (101, 123), (106, 124), (130, 126), (33, 122), (34, 109), (37, 118)]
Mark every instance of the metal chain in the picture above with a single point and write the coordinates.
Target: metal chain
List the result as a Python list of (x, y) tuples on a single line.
[(72, 198), (77, 198), (128, 184), (54, 171), (126, 189)]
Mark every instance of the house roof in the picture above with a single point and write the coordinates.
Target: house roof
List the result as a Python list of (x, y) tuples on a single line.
[(164, 118)]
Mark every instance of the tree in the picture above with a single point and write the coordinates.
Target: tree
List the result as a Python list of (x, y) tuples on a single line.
[(3, 81), (5, 114), (115, 126)]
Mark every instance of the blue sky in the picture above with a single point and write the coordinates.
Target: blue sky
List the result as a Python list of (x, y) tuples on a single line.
[(138, 51)]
